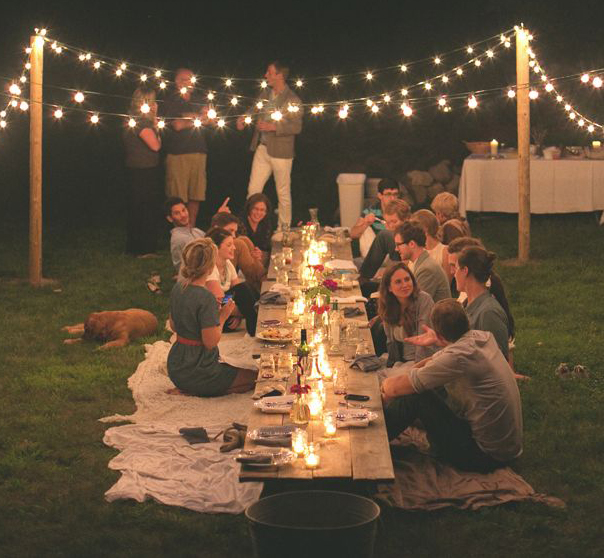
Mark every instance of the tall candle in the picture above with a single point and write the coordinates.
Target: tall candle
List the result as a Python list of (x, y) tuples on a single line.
[(596, 145), (494, 146)]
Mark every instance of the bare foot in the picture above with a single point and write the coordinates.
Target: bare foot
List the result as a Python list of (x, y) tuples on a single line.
[(176, 391)]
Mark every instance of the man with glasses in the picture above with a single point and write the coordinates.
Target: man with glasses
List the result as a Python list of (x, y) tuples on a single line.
[(373, 216)]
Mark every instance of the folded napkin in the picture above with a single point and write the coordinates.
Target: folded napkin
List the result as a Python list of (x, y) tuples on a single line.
[(351, 312), (341, 264), (348, 299), (280, 288), (366, 363), (272, 297), (275, 435), (265, 388), (346, 418), (327, 228)]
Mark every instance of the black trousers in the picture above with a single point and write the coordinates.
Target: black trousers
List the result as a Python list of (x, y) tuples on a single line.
[(245, 298), (449, 435), (143, 206)]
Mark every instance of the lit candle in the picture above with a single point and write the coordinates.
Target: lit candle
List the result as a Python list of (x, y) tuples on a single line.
[(326, 371), (494, 146), (299, 441), (312, 459), (315, 405), (329, 425), (313, 258), (596, 145)]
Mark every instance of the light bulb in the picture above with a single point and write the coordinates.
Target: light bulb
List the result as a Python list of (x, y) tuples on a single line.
[(299, 83), (368, 76), (221, 123), (532, 63), (143, 77), (28, 66), (559, 98), (263, 84), (293, 108), (197, 123), (428, 86), (228, 82), (472, 102), (375, 109), (334, 80), (145, 108), (27, 50), (234, 101), (212, 114), (369, 102), (14, 89), (14, 103), (118, 72), (459, 71), (343, 113), (211, 96), (469, 50), (477, 62), (572, 115), (123, 66), (442, 102), (567, 107), (585, 78), (132, 123), (43, 32), (58, 113), (590, 128), (404, 92), (248, 119), (314, 110), (22, 79), (259, 105), (597, 82), (276, 115), (94, 119), (193, 79), (59, 50), (549, 87), (533, 94), (445, 79), (161, 124), (96, 65), (157, 73), (79, 97), (3, 114), (162, 84), (2, 123), (437, 60), (88, 56), (321, 108), (404, 68), (386, 98), (507, 44), (490, 53), (581, 122), (183, 90), (511, 93), (407, 110)]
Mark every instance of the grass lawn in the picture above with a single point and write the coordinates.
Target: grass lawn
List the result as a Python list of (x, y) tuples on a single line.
[(53, 464)]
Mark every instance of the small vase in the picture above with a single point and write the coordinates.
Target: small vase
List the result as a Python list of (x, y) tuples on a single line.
[(300, 413)]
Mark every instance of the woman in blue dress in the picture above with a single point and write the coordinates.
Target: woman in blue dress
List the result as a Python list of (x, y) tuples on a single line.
[(193, 361)]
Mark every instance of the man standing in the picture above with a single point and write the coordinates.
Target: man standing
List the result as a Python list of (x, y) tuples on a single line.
[(465, 396), (186, 144), (279, 121), (410, 241)]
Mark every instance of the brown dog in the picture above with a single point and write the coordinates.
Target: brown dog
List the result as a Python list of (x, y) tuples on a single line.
[(117, 328)]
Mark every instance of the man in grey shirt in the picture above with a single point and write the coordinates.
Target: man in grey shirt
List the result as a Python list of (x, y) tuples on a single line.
[(410, 242), (465, 395), (177, 213)]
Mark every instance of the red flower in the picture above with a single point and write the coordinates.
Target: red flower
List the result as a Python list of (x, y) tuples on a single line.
[(319, 309), (318, 268), (330, 284), (297, 388)]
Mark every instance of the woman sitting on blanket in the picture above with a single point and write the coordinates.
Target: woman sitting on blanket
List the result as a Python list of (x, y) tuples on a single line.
[(258, 224), (404, 310), (193, 361), (225, 273)]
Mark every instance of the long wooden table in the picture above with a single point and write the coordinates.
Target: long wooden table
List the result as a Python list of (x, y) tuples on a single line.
[(357, 454)]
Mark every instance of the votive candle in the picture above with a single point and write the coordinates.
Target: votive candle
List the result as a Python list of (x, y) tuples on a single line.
[(312, 459), (299, 441)]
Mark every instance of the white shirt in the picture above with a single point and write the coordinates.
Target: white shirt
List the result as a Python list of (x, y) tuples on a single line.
[(225, 279)]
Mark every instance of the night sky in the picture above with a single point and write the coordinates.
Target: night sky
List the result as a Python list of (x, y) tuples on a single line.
[(238, 38)]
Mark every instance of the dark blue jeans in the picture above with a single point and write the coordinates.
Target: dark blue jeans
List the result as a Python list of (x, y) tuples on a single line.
[(449, 435)]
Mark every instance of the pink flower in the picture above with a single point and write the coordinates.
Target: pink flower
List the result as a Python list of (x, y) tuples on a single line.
[(330, 284)]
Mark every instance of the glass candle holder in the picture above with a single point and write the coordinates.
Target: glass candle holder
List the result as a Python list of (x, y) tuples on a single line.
[(299, 441), (329, 425), (315, 405), (311, 458)]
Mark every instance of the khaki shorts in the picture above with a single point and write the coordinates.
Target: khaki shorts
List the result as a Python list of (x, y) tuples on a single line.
[(186, 176)]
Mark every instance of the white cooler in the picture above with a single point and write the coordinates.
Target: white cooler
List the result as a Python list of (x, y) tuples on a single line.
[(351, 190)]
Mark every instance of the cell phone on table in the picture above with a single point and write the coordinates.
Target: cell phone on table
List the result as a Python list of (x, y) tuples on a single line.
[(226, 299), (355, 397)]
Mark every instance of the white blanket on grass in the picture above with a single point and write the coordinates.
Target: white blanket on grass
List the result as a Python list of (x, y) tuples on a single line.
[(156, 462)]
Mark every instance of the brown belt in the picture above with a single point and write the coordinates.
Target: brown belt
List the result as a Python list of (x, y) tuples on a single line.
[(191, 342)]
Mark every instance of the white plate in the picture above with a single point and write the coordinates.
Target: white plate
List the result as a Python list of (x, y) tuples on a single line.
[(285, 336), (279, 457)]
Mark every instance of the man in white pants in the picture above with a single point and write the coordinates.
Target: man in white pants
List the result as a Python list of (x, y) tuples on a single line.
[(279, 121)]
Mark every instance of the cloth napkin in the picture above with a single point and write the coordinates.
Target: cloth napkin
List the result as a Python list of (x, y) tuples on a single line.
[(347, 299), (353, 311), (366, 363), (272, 297), (275, 435), (347, 418), (341, 264), (327, 228)]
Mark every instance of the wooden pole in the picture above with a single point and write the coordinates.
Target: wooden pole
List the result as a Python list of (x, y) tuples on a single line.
[(35, 160), (524, 143)]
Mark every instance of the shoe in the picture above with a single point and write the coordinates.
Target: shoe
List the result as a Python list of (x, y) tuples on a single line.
[(580, 371)]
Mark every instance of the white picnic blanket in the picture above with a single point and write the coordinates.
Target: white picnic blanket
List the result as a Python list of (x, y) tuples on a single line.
[(156, 462)]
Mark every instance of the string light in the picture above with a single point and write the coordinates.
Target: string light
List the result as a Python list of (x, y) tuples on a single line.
[(590, 128), (299, 83), (549, 87), (228, 82), (293, 108), (221, 123), (212, 114), (368, 76), (132, 123), (477, 62), (263, 84), (183, 90), (259, 105), (14, 103), (403, 68), (334, 80), (585, 78), (442, 102), (459, 71), (3, 114), (511, 93), (143, 77), (343, 113), (193, 80), (437, 60), (387, 98), (234, 101), (472, 102), (369, 102), (96, 65), (162, 84), (407, 110), (14, 89), (445, 79), (79, 97), (404, 92), (145, 108), (428, 86), (161, 124), (375, 108), (2, 124), (58, 113), (490, 53), (248, 119), (533, 94), (559, 98), (197, 123), (276, 115), (597, 82), (94, 118), (210, 96), (22, 79), (24, 105), (28, 66), (123, 66), (118, 72), (157, 73)]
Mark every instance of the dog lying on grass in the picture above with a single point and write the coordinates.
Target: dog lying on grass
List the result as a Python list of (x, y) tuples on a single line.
[(115, 328)]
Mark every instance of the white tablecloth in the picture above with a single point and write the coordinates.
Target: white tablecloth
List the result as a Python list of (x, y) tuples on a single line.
[(557, 186)]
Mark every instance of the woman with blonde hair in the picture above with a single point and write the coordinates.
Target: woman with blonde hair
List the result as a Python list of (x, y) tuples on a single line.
[(142, 144), (195, 317), (437, 250), (452, 224)]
